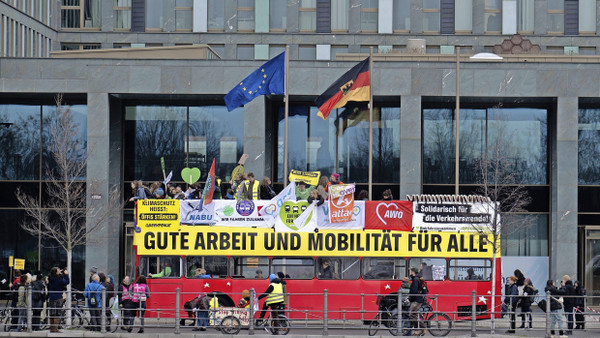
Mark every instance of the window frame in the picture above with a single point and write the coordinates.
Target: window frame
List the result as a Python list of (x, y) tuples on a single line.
[(121, 9), (158, 258), (201, 257), (265, 267), (312, 268), (81, 9), (457, 267), (184, 9), (399, 276)]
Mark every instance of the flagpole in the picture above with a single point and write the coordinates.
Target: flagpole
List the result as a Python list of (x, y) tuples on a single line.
[(287, 107), (370, 123)]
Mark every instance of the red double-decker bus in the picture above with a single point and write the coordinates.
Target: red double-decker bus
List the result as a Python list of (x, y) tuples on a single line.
[(353, 265)]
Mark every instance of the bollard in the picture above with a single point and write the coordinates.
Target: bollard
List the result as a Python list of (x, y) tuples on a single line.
[(29, 310), (473, 313), (399, 314), (325, 313), (177, 310), (103, 314), (251, 313), (362, 307), (548, 314), (583, 311)]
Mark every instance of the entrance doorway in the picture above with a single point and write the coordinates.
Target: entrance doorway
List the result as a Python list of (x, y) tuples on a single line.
[(592, 262)]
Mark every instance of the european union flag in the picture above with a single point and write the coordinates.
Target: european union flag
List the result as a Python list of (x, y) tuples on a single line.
[(268, 79)]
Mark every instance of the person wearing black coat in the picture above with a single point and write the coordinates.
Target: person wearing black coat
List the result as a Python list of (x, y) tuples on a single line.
[(38, 298), (525, 303), (314, 196), (555, 307), (579, 306), (511, 300), (569, 301)]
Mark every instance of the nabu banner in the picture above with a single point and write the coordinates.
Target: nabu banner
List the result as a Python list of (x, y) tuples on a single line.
[(266, 242)]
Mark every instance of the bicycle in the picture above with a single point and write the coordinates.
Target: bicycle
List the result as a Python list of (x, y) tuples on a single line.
[(438, 324), (277, 323), (6, 314), (387, 316)]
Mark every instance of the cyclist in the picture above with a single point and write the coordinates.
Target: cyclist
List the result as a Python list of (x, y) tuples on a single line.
[(275, 298), (415, 298)]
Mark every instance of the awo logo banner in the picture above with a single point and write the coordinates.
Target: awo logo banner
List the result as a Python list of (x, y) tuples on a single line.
[(392, 215)]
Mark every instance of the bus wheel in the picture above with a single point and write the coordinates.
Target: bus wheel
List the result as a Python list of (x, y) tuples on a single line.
[(230, 325)]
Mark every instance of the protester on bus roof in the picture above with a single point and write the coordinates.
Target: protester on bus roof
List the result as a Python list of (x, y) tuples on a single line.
[(250, 189), (387, 195), (363, 195), (179, 194), (138, 191), (266, 189), (157, 190), (229, 195), (334, 179), (314, 196), (302, 191), (217, 195), (323, 186)]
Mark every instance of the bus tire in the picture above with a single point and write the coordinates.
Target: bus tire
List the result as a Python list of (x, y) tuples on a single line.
[(439, 324), (230, 325)]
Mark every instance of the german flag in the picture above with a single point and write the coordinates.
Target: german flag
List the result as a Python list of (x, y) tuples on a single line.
[(352, 86)]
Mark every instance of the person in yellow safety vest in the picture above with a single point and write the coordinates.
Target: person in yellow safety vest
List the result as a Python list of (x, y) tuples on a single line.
[(275, 298), (213, 307), (250, 188)]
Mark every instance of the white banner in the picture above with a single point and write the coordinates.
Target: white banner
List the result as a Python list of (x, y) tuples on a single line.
[(307, 221), (272, 207), (535, 268), (453, 216), (241, 213), (191, 212)]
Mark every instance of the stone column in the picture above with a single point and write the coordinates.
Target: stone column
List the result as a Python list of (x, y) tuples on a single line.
[(103, 168), (254, 137), (410, 146), (563, 232)]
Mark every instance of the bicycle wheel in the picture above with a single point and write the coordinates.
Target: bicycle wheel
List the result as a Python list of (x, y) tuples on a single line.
[(112, 324), (374, 326), (7, 320), (230, 325), (280, 325), (439, 324)]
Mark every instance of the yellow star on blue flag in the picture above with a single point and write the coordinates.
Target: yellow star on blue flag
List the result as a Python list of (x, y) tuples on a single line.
[(267, 79)]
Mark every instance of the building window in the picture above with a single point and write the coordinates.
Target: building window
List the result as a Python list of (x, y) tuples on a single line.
[(122, 13), (525, 15), (154, 15), (493, 16), (80, 13), (431, 16), (401, 16), (587, 16), (183, 15), (308, 15), (216, 15), (589, 152), (246, 15), (368, 16), (278, 16), (523, 130), (185, 136), (307, 52), (343, 137), (463, 16), (245, 52), (80, 46), (340, 11), (556, 16)]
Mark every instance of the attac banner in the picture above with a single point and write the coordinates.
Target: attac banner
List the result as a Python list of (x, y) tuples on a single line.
[(388, 215), (158, 215), (309, 177), (221, 241), (341, 203)]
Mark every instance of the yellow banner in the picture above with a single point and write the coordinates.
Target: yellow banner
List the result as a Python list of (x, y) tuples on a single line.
[(162, 215), (19, 264), (11, 261), (224, 241), (310, 177)]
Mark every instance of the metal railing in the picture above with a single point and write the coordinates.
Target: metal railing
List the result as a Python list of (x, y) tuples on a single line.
[(470, 313)]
